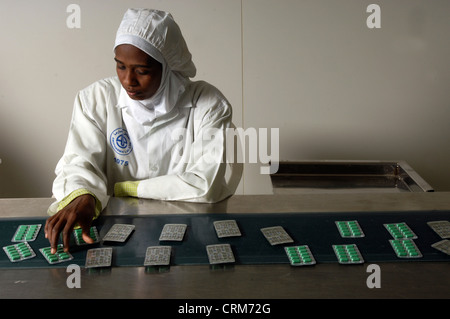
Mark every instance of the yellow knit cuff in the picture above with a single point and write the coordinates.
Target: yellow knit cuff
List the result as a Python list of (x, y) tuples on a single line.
[(123, 189), (69, 198)]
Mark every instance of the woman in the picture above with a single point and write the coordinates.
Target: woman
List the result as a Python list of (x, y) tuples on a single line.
[(149, 132)]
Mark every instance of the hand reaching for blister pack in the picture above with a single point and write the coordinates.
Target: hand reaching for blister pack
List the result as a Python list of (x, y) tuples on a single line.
[(80, 211)]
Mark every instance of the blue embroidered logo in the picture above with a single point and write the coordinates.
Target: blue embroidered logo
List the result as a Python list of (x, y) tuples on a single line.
[(120, 141)]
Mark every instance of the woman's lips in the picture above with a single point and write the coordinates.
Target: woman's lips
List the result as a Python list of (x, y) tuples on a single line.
[(133, 93)]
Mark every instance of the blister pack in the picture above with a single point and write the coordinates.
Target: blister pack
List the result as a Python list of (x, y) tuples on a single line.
[(276, 235), (157, 256), (26, 233), (300, 255), (19, 252), (58, 257), (173, 232), (400, 231), (99, 257), (349, 229), (227, 228), (405, 248), (119, 232), (348, 254), (79, 238), (220, 254)]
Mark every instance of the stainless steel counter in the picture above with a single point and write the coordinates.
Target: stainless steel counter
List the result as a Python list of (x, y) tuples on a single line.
[(398, 280), (359, 202)]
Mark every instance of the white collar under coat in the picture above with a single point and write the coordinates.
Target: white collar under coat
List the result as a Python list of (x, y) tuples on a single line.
[(162, 102)]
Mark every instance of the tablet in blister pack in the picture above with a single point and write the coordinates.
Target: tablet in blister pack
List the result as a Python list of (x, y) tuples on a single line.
[(348, 254), (441, 227), (300, 255), (400, 231), (93, 233), (26, 233), (19, 252), (173, 232), (349, 229), (443, 246), (119, 232), (405, 248), (276, 235), (58, 257), (99, 257), (227, 228), (220, 254), (157, 256)]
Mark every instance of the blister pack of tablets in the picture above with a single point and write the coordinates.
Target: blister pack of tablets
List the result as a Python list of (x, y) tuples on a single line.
[(348, 254), (119, 232), (220, 254), (400, 231), (58, 257), (443, 246), (157, 256), (26, 233), (441, 227), (173, 232), (227, 228), (405, 248), (19, 252), (300, 255), (93, 233), (349, 229), (99, 257), (276, 235)]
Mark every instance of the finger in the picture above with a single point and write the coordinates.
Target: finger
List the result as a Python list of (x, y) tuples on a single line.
[(66, 238), (54, 234), (86, 236), (48, 225), (68, 228), (86, 231)]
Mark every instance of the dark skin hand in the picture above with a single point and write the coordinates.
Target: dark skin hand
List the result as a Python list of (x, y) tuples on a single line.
[(80, 211), (140, 75)]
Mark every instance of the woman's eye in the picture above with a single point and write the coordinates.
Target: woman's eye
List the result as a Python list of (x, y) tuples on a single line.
[(142, 72)]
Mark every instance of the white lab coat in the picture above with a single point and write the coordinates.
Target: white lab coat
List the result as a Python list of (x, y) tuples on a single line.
[(175, 157)]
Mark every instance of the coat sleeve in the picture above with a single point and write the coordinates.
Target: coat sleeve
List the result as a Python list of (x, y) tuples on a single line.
[(203, 179), (82, 165)]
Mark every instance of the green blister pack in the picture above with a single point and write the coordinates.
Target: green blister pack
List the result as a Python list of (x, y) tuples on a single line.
[(19, 252), (300, 255), (348, 254), (58, 257), (26, 233)]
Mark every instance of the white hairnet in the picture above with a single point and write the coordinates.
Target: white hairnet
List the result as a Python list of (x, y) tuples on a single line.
[(157, 34)]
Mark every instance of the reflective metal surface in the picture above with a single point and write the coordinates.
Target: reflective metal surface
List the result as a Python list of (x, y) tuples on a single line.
[(329, 176), (405, 280)]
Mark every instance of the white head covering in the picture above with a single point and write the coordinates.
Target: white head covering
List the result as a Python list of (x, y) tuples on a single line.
[(157, 34)]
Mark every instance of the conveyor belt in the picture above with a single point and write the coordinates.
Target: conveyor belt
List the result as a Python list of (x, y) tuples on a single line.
[(317, 230)]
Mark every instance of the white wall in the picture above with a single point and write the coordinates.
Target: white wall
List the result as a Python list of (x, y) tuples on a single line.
[(312, 68)]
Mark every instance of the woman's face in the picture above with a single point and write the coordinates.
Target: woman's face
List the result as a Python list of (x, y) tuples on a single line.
[(139, 73)]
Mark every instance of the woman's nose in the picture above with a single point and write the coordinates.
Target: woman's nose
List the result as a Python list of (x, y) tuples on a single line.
[(129, 79)]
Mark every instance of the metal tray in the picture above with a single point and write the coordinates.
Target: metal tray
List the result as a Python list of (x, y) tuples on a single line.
[(347, 176)]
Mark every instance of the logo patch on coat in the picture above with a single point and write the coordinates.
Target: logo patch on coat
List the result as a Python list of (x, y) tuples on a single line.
[(120, 141)]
